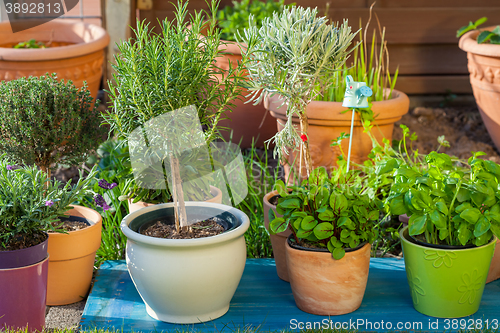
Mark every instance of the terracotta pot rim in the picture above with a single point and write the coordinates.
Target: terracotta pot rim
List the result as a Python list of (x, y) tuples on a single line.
[(316, 109), (98, 40), (25, 267), (95, 224), (322, 250), (468, 43)]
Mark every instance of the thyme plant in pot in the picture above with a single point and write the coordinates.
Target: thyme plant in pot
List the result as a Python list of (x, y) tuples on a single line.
[(165, 89), (332, 221), (451, 234), (286, 58), (31, 205), (46, 122)]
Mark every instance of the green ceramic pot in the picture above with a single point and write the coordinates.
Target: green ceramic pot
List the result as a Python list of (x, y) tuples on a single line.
[(446, 283)]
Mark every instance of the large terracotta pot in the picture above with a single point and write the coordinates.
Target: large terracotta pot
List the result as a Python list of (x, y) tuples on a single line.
[(72, 258), (327, 122), (79, 58), (324, 286), (247, 121), (484, 69), (133, 206), (277, 240), (23, 287)]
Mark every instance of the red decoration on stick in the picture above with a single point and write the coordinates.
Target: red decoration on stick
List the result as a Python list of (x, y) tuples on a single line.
[(303, 137)]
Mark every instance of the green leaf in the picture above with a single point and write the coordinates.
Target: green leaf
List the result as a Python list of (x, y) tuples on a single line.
[(417, 224), (441, 206), (281, 188), (386, 166), (464, 233), (482, 226), (296, 223), (323, 230), (278, 225), (301, 233), (484, 36), (471, 215), (463, 195), (271, 215), (443, 233), (338, 253), (290, 204), (343, 220), (308, 223), (338, 202), (327, 215), (493, 168), (462, 207), (438, 219), (397, 206)]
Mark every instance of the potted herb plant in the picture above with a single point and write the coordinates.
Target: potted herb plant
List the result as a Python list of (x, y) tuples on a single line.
[(31, 205), (165, 88), (46, 121), (332, 223), (247, 122), (272, 69), (75, 51), (328, 119), (451, 234)]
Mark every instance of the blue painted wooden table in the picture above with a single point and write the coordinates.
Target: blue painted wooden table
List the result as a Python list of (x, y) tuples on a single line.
[(263, 300)]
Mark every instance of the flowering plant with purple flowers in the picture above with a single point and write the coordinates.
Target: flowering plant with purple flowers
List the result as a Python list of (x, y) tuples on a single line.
[(31, 203)]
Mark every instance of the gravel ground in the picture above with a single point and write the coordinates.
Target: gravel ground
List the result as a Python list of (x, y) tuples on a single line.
[(65, 316)]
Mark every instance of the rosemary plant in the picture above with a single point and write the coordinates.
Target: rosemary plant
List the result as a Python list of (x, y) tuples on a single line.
[(290, 55)]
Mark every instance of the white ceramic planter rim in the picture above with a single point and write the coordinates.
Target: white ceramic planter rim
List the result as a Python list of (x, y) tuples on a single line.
[(231, 234)]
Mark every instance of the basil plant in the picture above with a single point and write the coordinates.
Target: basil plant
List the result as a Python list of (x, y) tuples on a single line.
[(333, 213), (449, 204)]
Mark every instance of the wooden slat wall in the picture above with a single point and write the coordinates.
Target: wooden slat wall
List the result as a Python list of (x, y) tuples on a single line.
[(420, 35)]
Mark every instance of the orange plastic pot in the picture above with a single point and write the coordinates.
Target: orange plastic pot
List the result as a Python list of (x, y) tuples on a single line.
[(324, 286), (134, 206), (72, 256), (79, 56), (484, 69), (327, 120), (277, 240)]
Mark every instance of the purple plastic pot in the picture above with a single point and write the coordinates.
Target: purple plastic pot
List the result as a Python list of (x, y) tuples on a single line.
[(23, 293), (24, 257)]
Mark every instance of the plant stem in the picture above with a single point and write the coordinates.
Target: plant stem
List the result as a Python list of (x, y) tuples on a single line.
[(450, 209), (304, 126)]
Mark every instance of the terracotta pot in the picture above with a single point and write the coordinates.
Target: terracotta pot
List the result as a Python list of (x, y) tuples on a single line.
[(72, 258), (81, 59), (23, 293), (484, 69), (327, 122), (277, 240), (494, 272), (324, 286), (217, 198), (247, 121)]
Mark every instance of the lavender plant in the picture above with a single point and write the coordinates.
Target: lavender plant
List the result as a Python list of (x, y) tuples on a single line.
[(46, 121), (290, 55)]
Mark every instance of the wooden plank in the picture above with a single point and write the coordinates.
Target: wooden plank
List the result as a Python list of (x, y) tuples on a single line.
[(431, 3), (427, 59), (437, 84), (263, 300)]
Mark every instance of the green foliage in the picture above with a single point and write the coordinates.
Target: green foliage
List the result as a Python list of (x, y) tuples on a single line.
[(158, 73), (233, 19), (30, 44), (333, 213), (46, 121), (492, 37), (30, 202), (448, 204), (290, 55)]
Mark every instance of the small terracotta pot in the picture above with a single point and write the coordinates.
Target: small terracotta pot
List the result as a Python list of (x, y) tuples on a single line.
[(494, 272), (217, 198), (72, 258), (247, 121), (324, 286), (484, 69), (277, 240), (23, 293), (81, 59), (327, 122)]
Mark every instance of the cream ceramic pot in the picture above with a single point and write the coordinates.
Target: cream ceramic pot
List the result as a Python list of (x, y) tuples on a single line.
[(186, 280)]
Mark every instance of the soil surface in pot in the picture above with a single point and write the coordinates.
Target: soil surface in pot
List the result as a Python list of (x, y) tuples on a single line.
[(71, 225), (22, 241), (201, 229)]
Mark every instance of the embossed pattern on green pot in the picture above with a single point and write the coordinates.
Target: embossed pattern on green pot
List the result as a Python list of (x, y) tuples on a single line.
[(446, 283)]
